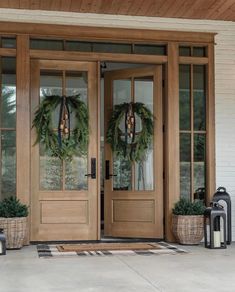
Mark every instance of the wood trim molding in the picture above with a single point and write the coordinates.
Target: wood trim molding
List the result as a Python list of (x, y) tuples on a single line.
[(210, 126), (7, 52), (82, 56), (194, 60), (172, 173), (23, 122), (104, 33)]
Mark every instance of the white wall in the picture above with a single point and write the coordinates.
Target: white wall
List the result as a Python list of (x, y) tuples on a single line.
[(224, 70)]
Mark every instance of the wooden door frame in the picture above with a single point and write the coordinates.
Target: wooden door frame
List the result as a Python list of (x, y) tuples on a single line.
[(23, 32)]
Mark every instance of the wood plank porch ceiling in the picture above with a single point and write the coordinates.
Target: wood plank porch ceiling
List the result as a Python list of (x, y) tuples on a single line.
[(191, 9)]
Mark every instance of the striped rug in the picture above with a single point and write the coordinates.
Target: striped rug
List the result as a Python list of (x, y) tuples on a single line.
[(54, 251)]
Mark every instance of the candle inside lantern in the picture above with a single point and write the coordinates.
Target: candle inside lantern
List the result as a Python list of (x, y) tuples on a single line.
[(217, 239), (217, 242), (221, 230)]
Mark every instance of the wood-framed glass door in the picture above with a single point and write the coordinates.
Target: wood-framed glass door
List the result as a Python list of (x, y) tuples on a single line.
[(64, 202), (133, 193)]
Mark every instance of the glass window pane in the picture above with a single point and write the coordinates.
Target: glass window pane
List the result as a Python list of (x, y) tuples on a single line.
[(185, 165), (8, 42), (50, 167), (121, 167), (199, 97), (7, 121), (51, 84), (50, 171), (112, 48), (150, 49), (121, 91), (185, 51), (121, 94), (8, 164), (122, 172), (40, 44), (78, 46), (76, 84), (144, 91), (199, 52), (143, 88), (75, 179), (144, 173), (75, 171), (8, 94), (184, 97), (199, 160), (8, 65)]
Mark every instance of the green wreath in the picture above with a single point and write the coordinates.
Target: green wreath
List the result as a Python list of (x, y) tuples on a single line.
[(77, 142), (136, 150)]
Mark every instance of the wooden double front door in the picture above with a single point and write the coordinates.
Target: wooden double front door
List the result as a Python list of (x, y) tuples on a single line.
[(65, 202)]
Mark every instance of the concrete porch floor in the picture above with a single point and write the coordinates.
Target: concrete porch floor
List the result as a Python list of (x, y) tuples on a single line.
[(199, 270)]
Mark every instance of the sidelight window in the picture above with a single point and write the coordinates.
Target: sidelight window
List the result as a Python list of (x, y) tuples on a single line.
[(192, 99), (7, 127)]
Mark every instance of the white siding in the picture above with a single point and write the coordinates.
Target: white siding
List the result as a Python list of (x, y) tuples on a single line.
[(224, 71)]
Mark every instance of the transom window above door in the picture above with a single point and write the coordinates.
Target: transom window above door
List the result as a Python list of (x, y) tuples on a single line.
[(98, 47)]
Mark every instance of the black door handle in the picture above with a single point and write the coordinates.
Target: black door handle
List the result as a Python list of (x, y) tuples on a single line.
[(107, 174), (93, 169)]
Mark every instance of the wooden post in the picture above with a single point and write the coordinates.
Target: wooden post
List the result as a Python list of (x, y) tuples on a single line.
[(172, 170), (210, 126), (23, 122)]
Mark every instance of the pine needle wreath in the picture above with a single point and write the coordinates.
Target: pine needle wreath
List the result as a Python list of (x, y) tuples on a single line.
[(134, 151), (46, 135)]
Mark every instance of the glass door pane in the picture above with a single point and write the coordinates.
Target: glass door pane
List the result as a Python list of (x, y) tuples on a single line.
[(75, 170), (56, 174), (51, 169), (136, 176), (143, 92), (121, 166)]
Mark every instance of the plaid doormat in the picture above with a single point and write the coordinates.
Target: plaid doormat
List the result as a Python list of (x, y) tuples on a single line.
[(52, 251)]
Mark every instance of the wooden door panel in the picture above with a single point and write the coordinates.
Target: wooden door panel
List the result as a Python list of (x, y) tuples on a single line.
[(70, 212), (136, 209), (58, 212), (133, 210)]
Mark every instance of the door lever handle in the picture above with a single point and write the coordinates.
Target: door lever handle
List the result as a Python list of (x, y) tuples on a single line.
[(107, 174), (93, 169)]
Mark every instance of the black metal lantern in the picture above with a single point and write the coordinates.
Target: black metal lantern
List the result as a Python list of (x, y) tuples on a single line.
[(223, 198), (2, 243), (199, 195), (215, 226)]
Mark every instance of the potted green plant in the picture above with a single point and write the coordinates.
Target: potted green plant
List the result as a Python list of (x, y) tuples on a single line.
[(187, 221), (13, 220)]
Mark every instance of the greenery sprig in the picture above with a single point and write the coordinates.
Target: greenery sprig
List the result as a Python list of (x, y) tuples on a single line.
[(11, 207), (135, 151), (46, 135), (186, 207)]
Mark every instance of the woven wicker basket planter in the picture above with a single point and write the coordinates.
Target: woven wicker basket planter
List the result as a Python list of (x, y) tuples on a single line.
[(15, 230), (188, 229)]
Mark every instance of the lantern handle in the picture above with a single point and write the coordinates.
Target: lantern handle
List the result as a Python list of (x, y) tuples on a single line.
[(221, 189)]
